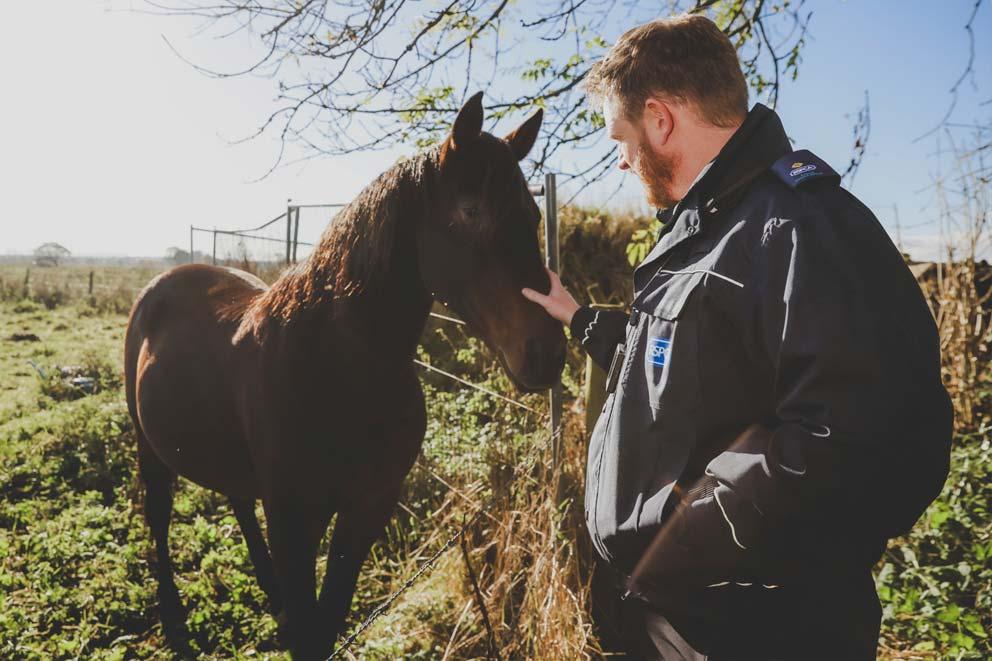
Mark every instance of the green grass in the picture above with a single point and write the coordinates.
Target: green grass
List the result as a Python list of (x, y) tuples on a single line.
[(76, 574)]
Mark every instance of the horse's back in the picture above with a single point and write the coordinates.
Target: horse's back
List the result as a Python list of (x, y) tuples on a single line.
[(183, 373), (194, 288)]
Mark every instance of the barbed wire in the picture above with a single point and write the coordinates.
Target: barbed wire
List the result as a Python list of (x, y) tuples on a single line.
[(475, 386), (382, 608)]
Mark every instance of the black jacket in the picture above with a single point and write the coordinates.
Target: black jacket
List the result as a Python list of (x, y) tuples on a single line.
[(778, 403)]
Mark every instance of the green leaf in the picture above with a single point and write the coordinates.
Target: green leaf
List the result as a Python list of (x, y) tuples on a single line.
[(949, 614)]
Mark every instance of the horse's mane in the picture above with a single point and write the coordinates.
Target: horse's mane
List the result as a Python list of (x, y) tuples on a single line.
[(355, 248)]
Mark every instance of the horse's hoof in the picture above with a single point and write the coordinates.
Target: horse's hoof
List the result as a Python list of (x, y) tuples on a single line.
[(177, 636), (178, 641)]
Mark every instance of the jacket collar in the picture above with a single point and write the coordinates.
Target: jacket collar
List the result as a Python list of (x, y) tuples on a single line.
[(753, 148)]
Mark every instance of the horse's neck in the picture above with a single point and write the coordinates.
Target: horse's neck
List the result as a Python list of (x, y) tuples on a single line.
[(395, 312), (387, 317)]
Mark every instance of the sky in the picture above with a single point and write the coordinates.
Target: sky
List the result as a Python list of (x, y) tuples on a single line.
[(112, 145)]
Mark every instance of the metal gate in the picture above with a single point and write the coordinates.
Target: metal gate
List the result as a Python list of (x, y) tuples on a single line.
[(271, 246)]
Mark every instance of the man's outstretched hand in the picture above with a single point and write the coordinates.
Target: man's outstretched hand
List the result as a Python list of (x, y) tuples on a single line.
[(558, 302)]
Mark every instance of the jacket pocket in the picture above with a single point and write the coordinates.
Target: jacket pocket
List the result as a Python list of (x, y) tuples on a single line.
[(661, 353)]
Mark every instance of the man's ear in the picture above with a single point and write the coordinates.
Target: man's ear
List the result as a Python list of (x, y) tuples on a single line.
[(522, 138), (468, 123), (659, 121)]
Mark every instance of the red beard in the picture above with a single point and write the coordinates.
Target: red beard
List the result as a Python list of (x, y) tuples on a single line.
[(657, 174)]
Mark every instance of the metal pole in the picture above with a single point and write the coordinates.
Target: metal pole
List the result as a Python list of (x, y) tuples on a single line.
[(190, 244), (296, 233), (215, 246), (289, 228), (551, 256)]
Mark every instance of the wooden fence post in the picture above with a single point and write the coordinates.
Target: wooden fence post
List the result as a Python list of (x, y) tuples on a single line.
[(595, 390)]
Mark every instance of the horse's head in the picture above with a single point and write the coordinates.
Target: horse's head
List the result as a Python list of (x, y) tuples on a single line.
[(480, 247)]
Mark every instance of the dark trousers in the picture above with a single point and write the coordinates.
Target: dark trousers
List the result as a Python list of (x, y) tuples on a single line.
[(828, 617)]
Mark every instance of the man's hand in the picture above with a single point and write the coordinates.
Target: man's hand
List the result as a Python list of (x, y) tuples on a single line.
[(558, 302)]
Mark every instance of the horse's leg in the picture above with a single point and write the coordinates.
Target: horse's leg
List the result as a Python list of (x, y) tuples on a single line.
[(356, 529), (159, 480), (294, 535), (244, 511)]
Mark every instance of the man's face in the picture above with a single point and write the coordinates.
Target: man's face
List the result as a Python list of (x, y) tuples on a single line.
[(655, 169)]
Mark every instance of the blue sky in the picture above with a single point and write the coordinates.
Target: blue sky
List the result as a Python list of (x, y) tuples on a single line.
[(907, 55), (112, 145)]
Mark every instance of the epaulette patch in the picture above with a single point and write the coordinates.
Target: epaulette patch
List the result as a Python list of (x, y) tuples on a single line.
[(801, 166)]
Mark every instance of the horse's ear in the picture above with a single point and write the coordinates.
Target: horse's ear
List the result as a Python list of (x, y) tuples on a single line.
[(522, 139), (468, 123)]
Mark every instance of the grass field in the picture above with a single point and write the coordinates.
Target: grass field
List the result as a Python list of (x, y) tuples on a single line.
[(74, 555), (76, 561)]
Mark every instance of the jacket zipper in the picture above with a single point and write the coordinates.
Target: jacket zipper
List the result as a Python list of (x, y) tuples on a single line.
[(593, 520)]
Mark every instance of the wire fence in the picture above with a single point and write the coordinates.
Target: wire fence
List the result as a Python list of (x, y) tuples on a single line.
[(383, 607)]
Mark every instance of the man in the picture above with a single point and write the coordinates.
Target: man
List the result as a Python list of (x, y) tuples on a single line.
[(775, 411)]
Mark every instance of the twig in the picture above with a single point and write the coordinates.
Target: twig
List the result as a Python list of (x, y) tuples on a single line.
[(479, 599)]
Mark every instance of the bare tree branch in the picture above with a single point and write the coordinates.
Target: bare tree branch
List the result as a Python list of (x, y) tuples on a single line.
[(861, 132), (354, 75), (968, 72)]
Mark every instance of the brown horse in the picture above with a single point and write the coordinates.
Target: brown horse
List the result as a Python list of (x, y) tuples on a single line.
[(304, 394)]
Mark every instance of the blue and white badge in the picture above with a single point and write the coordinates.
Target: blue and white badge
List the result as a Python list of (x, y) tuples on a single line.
[(659, 350)]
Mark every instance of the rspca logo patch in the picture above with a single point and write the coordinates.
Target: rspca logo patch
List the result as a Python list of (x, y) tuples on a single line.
[(659, 349), (801, 166)]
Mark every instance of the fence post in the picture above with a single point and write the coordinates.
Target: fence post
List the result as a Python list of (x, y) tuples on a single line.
[(551, 256), (190, 244), (215, 247), (595, 391), (296, 233), (289, 228), (91, 284)]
